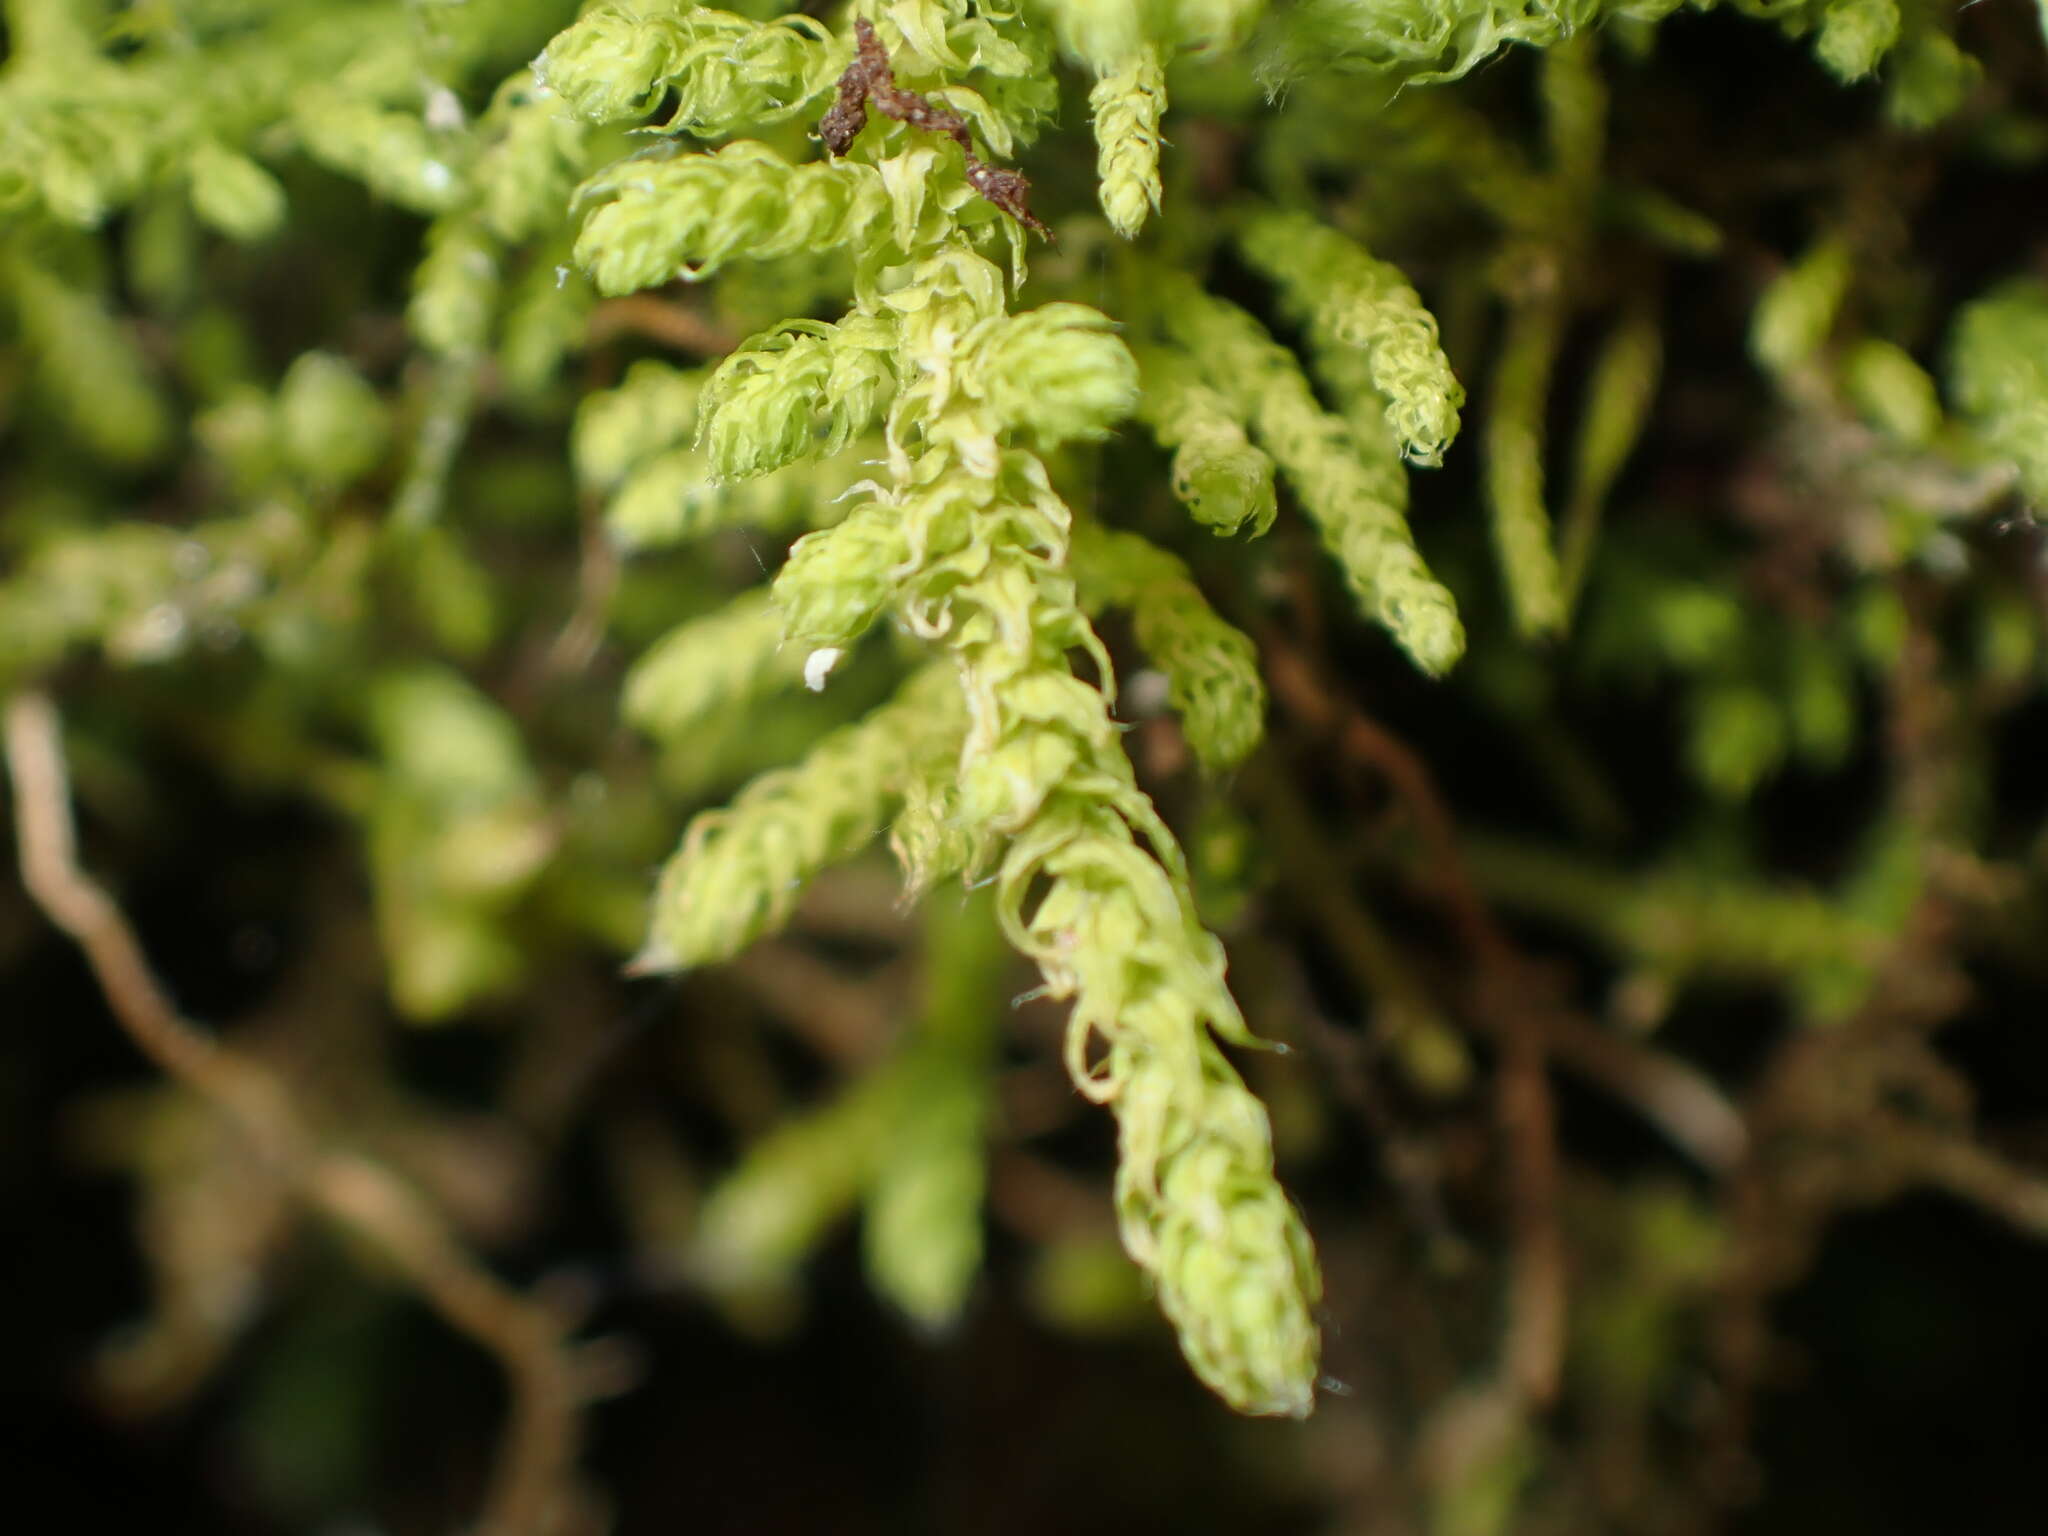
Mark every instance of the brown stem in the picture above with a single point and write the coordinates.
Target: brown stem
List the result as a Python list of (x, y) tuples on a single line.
[(532, 1488), (1532, 1358), (674, 325), (1367, 744)]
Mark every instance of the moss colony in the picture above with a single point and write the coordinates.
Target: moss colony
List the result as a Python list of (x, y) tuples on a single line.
[(524, 450)]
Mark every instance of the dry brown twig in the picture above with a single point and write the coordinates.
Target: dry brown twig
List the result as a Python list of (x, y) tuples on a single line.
[(533, 1487), (870, 82)]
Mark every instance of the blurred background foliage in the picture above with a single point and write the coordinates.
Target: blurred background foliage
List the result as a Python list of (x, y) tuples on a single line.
[(1664, 1090)]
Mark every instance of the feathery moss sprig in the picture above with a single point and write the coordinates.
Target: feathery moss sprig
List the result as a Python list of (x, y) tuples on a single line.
[(1684, 922), (685, 216), (973, 539), (922, 1233), (849, 187), (905, 1142), (1352, 488), (740, 870), (1348, 300), (765, 1217), (1211, 667), (1196, 1198), (1127, 104), (636, 445), (1433, 40), (966, 543)]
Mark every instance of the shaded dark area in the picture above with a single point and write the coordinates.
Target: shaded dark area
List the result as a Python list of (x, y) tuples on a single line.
[(1913, 1371)]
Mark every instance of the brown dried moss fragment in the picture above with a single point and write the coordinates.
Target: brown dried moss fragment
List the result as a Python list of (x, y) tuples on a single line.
[(869, 79)]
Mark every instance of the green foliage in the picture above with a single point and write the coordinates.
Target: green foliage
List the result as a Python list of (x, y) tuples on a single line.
[(740, 870), (1218, 474), (1127, 103), (1999, 374), (685, 217), (1349, 479), (682, 406), (1352, 306), (1211, 670)]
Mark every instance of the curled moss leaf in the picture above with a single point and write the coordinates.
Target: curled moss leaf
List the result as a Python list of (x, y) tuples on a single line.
[(1056, 374), (837, 581), (726, 72), (802, 390), (1219, 475)]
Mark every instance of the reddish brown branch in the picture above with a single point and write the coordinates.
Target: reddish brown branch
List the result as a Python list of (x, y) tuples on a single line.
[(1506, 996), (1532, 1356), (1367, 744), (870, 81)]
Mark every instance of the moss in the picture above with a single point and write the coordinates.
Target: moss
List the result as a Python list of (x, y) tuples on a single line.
[(288, 291)]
